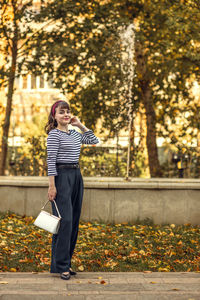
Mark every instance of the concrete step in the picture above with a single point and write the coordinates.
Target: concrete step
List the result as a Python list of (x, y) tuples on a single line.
[(101, 286)]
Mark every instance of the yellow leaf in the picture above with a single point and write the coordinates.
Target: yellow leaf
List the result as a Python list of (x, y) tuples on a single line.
[(92, 228), (81, 268), (3, 243), (163, 270), (13, 270), (142, 252)]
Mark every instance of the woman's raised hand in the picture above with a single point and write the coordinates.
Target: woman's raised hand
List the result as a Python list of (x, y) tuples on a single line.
[(75, 121)]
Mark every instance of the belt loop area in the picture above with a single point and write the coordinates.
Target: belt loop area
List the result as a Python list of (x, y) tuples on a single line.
[(67, 166)]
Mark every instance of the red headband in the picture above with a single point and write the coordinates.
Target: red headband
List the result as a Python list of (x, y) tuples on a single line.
[(54, 107)]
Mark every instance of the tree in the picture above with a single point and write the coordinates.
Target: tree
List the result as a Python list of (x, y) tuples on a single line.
[(17, 33), (83, 58), (167, 55)]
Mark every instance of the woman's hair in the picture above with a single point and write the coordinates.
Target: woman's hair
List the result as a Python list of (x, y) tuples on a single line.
[(52, 123)]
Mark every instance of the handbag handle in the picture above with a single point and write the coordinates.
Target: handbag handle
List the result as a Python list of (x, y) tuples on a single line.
[(55, 206)]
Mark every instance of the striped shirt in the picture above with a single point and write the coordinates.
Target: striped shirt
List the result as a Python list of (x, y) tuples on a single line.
[(63, 147)]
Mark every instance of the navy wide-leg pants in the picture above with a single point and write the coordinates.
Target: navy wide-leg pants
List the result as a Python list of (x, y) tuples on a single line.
[(69, 185)]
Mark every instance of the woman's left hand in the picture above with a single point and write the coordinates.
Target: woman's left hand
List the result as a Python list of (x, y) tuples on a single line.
[(75, 121)]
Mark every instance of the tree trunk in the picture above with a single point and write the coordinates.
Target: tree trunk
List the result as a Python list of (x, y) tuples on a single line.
[(6, 124), (144, 82), (154, 164)]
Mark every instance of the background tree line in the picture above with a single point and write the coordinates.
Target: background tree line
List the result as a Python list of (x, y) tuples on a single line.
[(78, 45)]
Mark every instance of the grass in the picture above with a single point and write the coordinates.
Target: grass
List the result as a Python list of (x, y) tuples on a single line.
[(102, 247)]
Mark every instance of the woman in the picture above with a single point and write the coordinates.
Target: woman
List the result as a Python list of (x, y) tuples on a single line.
[(65, 181)]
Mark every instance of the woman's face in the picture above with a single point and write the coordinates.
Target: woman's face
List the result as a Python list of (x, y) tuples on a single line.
[(62, 116)]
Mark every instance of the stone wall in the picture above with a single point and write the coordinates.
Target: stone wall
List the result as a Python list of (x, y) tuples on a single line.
[(112, 200)]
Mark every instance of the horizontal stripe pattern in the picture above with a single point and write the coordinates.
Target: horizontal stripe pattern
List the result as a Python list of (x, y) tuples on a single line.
[(63, 147)]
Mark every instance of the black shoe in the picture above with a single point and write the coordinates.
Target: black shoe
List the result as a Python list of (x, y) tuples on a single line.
[(65, 276), (72, 272)]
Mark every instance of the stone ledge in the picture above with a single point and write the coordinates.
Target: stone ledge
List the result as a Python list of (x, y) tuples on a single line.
[(164, 201), (108, 182)]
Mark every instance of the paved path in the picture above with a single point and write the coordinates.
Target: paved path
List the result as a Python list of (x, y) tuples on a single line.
[(101, 286)]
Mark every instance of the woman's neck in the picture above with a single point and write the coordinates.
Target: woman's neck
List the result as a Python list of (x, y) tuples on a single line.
[(63, 128)]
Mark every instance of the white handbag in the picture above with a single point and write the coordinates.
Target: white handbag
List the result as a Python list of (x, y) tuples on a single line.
[(48, 221)]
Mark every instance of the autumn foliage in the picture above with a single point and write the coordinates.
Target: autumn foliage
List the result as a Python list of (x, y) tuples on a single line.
[(102, 247)]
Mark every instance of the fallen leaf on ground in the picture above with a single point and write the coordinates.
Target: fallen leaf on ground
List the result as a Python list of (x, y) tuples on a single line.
[(81, 268), (147, 271)]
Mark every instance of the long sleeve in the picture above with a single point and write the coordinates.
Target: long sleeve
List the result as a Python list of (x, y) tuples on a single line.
[(88, 137), (52, 152)]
